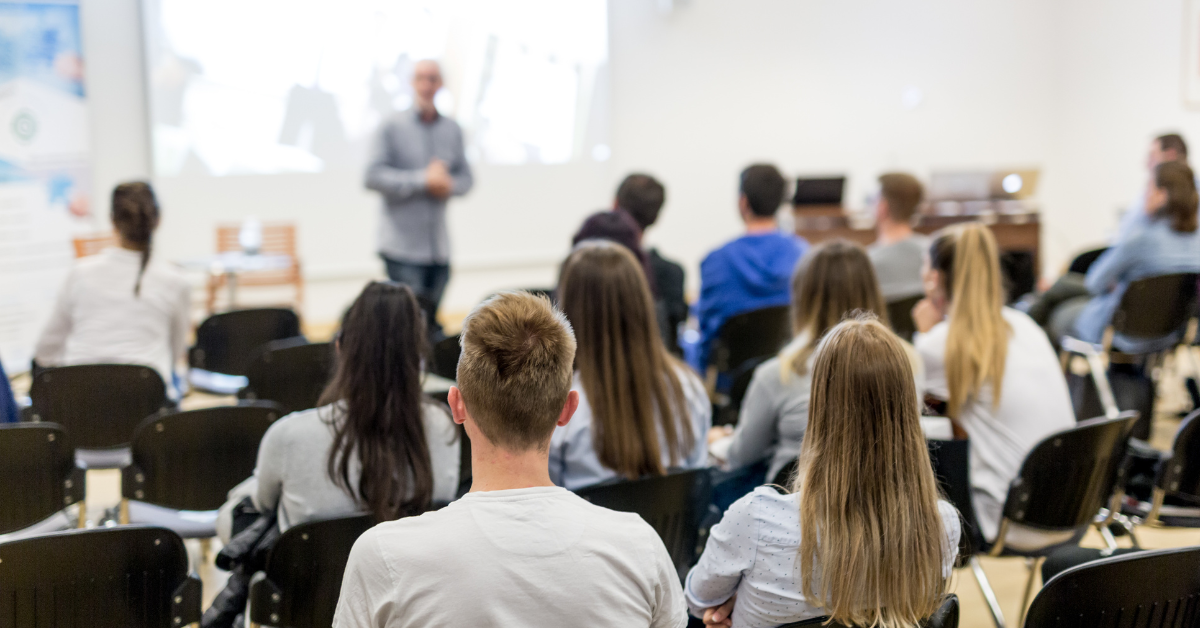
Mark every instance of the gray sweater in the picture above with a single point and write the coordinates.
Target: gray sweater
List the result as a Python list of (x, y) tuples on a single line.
[(773, 419), (293, 460)]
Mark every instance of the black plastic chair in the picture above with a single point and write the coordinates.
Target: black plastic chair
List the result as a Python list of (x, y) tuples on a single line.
[(445, 357), (99, 405), (727, 413), (38, 475), (1178, 480), (226, 342), (755, 334), (292, 373), (1083, 262), (946, 616), (302, 581), (1159, 589), (1154, 307), (899, 313), (673, 504), (1063, 484), (124, 577)]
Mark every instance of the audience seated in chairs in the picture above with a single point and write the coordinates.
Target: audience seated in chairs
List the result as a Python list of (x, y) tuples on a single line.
[(374, 444), (887, 543), (751, 272), (516, 550), (993, 365), (833, 280), (642, 197), (898, 251), (122, 306), (1167, 242), (625, 378)]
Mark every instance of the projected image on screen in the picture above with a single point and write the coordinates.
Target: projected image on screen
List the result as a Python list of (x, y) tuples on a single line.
[(272, 86)]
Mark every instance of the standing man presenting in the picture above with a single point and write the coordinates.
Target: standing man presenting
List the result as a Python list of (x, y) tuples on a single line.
[(417, 163)]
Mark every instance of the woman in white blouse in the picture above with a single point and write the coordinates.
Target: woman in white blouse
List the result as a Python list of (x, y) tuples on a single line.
[(641, 411), (865, 487), (994, 366), (122, 306)]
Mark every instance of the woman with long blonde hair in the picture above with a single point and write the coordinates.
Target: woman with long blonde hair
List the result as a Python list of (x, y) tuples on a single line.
[(832, 280), (641, 411), (1001, 379), (862, 536)]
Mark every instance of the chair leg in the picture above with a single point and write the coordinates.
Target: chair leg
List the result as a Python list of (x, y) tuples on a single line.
[(989, 595), (82, 523), (123, 513), (1033, 565), (1110, 542), (205, 550)]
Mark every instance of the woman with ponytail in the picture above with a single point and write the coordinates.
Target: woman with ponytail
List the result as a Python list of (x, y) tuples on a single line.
[(1167, 243), (376, 444), (993, 365), (122, 306)]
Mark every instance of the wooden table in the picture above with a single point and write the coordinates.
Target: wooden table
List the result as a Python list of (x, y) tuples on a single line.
[(1014, 232)]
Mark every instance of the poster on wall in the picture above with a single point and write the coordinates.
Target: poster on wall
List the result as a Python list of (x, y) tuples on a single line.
[(44, 178), (1191, 53)]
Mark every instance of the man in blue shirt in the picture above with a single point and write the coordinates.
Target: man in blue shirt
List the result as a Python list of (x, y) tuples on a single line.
[(753, 271)]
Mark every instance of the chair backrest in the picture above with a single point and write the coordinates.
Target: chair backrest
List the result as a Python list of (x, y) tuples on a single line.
[(226, 342), (278, 238), (1180, 475), (946, 616), (1138, 590), (672, 504), (123, 577), (754, 334), (293, 373), (38, 476), (1156, 306), (741, 377), (190, 460), (304, 573), (445, 357), (1084, 260), (90, 245), (900, 316), (1069, 476), (99, 404)]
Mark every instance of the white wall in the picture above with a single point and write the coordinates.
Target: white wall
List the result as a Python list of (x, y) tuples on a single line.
[(815, 86)]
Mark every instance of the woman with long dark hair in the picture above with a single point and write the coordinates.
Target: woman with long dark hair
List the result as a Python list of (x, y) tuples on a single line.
[(122, 306), (641, 411), (375, 444)]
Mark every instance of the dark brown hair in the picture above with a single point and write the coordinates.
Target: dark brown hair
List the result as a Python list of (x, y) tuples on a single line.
[(515, 370), (642, 196), (631, 381), (903, 194), (833, 280), (1179, 182), (764, 187), (1173, 142), (135, 216), (378, 381)]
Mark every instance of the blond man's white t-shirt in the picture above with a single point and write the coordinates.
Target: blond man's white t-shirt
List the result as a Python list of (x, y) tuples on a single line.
[(526, 557)]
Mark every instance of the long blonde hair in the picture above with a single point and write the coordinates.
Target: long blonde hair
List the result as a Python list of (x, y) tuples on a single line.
[(872, 546), (632, 383), (834, 279), (977, 344)]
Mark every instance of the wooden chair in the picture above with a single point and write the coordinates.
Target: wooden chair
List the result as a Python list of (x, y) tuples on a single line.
[(93, 244), (277, 239)]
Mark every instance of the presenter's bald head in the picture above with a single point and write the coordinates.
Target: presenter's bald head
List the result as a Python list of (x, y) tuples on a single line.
[(427, 80)]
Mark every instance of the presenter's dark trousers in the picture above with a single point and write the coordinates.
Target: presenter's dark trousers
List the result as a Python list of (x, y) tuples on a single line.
[(428, 281)]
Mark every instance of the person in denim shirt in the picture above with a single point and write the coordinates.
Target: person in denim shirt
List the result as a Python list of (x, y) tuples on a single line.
[(1168, 243)]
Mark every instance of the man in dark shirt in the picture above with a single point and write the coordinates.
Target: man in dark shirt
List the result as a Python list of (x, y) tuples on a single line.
[(642, 196)]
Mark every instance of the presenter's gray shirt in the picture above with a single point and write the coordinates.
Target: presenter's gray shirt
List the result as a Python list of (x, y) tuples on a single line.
[(413, 226)]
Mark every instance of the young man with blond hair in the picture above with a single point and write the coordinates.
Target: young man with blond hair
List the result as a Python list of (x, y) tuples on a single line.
[(516, 550)]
